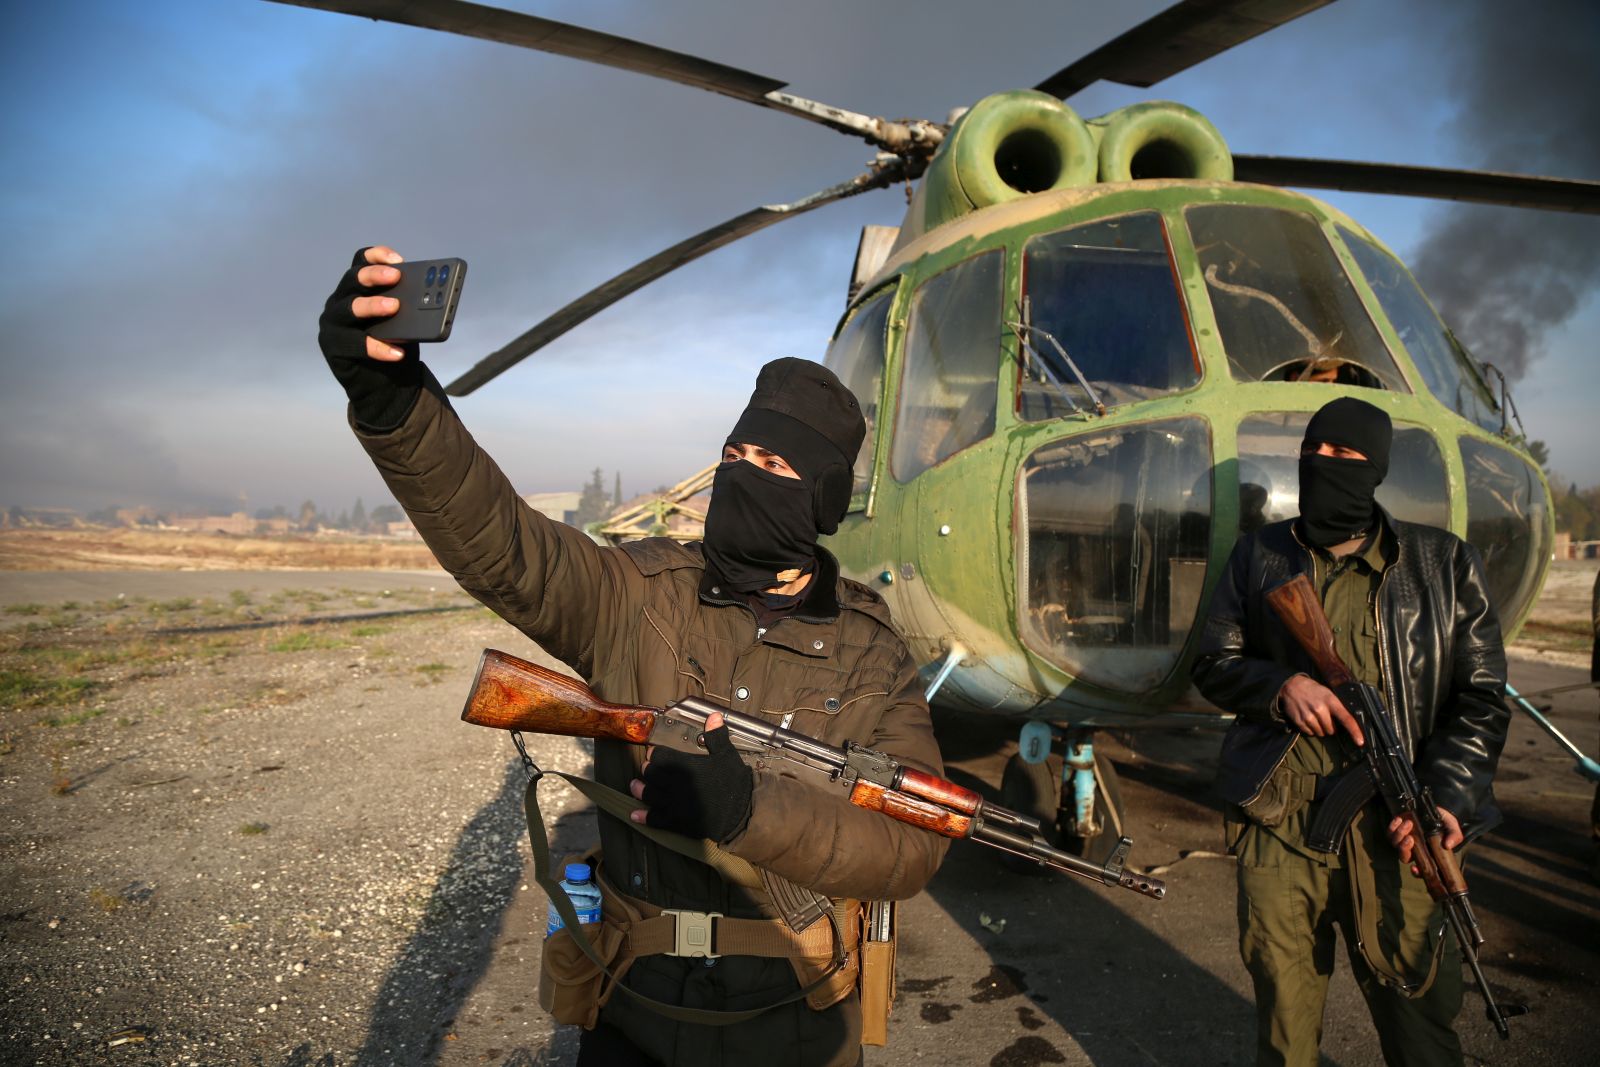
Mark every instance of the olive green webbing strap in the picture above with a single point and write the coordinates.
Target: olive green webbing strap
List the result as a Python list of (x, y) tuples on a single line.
[(1367, 904), (617, 804)]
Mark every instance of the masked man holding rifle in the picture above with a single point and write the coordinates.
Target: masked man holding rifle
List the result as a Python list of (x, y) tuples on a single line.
[(1410, 615), (758, 619)]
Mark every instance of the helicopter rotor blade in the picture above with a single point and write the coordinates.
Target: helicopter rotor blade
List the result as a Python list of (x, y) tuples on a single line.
[(1474, 186), (663, 262), (1185, 34), (561, 38)]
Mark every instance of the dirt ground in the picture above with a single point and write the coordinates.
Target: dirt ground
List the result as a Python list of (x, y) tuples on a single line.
[(243, 824), (97, 549)]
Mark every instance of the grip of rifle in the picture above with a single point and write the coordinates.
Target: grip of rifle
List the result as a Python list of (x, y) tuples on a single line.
[(937, 790), (1451, 879), (910, 810), (512, 694), (1301, 612)]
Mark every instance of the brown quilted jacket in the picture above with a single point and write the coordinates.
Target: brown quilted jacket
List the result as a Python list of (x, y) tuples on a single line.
[(642, 624)]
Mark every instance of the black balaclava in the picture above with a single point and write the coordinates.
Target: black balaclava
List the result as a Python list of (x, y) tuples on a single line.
[(761, 525), (1336, 495)]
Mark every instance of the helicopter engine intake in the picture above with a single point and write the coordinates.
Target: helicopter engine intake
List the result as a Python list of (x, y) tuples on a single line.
[(1160, 139)]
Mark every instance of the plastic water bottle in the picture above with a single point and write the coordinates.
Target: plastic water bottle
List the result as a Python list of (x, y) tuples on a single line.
[(579, 885)]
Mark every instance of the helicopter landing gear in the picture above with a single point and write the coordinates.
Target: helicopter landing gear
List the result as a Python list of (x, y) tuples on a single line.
[(1074, 793)]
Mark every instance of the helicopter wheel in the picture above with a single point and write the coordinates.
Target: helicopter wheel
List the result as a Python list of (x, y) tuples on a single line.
[(1032, 789), (1108, 813)]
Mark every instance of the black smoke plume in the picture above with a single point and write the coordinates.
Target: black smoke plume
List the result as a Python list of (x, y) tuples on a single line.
[(1529, 77)]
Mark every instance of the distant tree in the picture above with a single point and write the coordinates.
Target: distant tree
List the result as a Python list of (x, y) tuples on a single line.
[(358, 517), (106, 516), (384, 514), (308, 516), (263, 514), (616, 492), (342, 522), (592, 505), (1540, 453), (1573, 516)]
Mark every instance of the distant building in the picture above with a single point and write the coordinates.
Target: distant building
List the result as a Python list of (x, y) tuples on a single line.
[(237, 523), (562, 507), (402, 529), (54, 518)]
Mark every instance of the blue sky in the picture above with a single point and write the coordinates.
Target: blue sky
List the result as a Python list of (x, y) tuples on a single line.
[(186, 180)]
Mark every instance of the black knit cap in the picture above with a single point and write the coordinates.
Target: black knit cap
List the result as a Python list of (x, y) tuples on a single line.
[(1354, 424), (804, 413)]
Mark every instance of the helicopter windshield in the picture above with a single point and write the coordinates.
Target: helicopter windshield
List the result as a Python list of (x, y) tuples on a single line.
[(1106, 291), (856, 356), (1416, 489), (1506, 522), (1115, 529), (948, 388), (1441, 362), (1284, 306)]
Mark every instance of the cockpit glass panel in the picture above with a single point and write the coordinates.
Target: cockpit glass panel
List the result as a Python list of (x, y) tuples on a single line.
[(952, 363), (1106, 293), (1440, 360), (1506, 522), (856, 356), (1283, 304), (1417, 489), (1116, 527)]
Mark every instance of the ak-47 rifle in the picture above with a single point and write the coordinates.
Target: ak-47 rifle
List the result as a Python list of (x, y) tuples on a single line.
[(1389, 773), (511, 694)]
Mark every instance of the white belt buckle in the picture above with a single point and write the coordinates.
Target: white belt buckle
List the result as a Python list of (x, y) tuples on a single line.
[(692, 932)]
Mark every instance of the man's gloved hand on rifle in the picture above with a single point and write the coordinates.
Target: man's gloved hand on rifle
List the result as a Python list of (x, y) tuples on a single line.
[(698, 796)]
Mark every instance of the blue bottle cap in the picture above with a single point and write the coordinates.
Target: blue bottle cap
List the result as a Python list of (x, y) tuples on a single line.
[(577, 872)]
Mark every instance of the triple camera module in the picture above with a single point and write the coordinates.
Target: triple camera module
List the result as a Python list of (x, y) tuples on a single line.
[(437, 275)]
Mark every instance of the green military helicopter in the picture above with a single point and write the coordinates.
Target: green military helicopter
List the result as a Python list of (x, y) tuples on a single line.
[(1087, 356)]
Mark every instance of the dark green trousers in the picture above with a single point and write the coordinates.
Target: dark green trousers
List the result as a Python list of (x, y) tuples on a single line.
[(1289, 905)]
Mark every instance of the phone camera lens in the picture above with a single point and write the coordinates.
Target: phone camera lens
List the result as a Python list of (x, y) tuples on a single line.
[(444, 274), (427, 300), (431, 272)]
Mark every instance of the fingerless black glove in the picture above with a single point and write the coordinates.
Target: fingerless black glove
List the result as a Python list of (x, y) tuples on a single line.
[(381, 394), (699, 796)]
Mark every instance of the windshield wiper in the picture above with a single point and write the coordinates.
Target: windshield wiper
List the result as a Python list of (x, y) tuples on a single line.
[(1044, 368)]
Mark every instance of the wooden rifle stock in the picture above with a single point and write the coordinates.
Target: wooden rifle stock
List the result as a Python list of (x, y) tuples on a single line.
[(1301, 612), (513, 694)]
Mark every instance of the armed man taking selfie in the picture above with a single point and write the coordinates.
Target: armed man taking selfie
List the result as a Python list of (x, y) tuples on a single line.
[(1410, 616), (756, 619)]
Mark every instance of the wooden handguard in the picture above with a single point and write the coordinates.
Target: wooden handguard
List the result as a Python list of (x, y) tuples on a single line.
[(513, 694), (910, 810), (938, 791), (1297, 605)]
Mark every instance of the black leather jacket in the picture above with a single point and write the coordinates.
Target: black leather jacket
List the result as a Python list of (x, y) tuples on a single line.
[(1444, 664)]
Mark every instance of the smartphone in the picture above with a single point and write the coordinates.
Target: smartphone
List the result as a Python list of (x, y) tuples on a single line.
[(428, 291)]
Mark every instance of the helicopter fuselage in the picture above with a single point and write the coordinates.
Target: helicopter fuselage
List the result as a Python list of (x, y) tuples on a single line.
[(1080, 398)]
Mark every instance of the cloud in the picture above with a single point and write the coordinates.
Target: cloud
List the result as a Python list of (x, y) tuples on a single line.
[(1529, 85)]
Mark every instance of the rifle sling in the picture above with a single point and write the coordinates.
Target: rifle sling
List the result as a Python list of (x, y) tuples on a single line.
[(617, 804), (1338, 808)]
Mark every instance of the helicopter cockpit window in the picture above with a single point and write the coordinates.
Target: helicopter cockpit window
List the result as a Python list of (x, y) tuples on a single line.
[(1116, 528), (1417, 488), (1506, 522), (856, 356), (952, 360), (1105, 292), (1283, 304), (1440, 360)]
